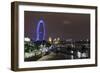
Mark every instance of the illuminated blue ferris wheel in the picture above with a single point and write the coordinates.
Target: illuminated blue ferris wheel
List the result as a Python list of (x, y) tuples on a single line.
[(40, 30)]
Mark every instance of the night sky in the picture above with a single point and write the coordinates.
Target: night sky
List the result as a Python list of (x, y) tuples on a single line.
[(63, 25)]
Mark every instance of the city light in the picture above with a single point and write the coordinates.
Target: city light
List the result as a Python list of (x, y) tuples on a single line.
[(50, 39), (27, 39), (55, 47)]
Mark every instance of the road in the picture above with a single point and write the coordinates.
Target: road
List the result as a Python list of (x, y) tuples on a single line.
[(53, 56)]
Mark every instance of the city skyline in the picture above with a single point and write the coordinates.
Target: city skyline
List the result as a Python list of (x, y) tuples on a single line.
[(62, 25)]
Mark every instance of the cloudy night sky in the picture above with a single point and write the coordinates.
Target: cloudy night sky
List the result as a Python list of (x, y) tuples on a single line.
[(62, 25)]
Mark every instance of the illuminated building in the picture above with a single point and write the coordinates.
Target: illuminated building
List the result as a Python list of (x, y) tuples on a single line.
[(56, 40), (27, 39), (50, 39)]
